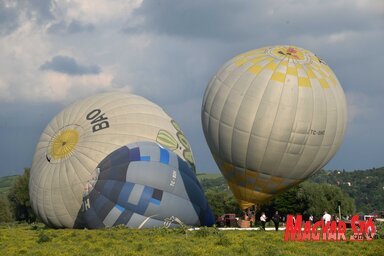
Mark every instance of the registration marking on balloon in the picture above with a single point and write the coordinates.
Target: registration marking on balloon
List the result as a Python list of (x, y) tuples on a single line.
[(99, 120)]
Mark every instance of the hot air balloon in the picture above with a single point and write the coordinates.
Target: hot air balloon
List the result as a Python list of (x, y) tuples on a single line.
[(272, 117), (143, 185), (81, 136)]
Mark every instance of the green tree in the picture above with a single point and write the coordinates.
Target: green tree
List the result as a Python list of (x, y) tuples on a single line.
[(222, 201), (310, 198), (18, 197), (318, 198), (288, 202), (5, 211), (364, 186)]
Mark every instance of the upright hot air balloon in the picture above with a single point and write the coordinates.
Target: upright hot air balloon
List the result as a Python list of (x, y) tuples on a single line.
[(272, 117), (75, 142)]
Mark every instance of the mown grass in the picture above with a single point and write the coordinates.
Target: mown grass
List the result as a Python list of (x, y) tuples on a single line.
[(38, 240)]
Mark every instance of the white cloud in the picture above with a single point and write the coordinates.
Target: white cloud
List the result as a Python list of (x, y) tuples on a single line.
[(29, 46), (22, 52), (4, 95), (372, 6), (62, 87), (95, 11)]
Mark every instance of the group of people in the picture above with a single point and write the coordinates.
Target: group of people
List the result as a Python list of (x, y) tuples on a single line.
[(327, 217), (250, 215), (275, 218)]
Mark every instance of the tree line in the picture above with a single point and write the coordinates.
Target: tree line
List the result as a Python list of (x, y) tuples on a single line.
[(365, 186), (307, 198), (357, 192)]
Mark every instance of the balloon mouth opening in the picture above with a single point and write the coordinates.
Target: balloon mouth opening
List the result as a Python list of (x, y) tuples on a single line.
[(63, 143)]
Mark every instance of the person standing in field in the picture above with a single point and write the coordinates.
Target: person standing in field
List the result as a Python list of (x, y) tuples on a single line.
[(276, 220), (263, 220), (326, 217)]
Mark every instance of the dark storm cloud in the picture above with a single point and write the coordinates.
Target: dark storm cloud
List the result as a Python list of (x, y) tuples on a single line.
[(73, 27), (21, 126), (238, 20), (68, 65), (187, 18)]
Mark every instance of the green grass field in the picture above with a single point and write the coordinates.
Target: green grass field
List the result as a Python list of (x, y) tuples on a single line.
[(38, 240)]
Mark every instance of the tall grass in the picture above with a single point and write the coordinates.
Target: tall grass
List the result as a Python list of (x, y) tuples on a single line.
[(39, 240)]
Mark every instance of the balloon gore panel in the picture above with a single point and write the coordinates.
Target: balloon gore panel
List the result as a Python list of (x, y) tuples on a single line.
[(143, 185)]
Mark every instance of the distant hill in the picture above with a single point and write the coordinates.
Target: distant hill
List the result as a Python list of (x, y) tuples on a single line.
[(365, 186), (6, 183)]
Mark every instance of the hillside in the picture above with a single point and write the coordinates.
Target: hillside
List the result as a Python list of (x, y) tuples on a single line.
[(365, 186), (6, 183)]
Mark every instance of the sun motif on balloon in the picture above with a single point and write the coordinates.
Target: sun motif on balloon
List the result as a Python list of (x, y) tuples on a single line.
[(63, 143)]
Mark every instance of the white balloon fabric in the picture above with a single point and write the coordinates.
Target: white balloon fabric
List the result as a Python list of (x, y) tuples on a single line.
[(272, 117), (81, 136)]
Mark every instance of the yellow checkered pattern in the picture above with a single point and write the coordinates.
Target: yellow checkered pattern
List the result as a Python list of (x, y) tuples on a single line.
[(308, 74), (252, 187)]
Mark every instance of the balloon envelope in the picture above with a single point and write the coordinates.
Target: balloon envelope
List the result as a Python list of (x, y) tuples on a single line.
[(81, 136), (143, 185), (272, 117)]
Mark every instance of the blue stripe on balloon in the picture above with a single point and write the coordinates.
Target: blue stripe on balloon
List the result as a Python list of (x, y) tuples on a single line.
[(145, 158), (119, 207), (124, 194), (154, 201), (164, 156), (146, 195)]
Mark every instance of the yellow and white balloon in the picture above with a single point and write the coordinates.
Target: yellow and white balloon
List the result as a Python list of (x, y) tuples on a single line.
[(272, 117)]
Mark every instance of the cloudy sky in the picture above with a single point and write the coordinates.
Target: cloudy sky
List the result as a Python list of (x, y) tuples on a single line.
[(55, 52)]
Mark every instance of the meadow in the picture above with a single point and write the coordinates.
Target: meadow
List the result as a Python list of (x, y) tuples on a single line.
[(23, 239)]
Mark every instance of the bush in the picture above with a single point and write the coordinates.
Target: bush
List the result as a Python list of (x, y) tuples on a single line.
[(18, 197), (379, 229), (5, 211), (43, 238)]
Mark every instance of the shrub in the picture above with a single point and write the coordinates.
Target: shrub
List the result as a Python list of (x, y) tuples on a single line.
[(43, 238)]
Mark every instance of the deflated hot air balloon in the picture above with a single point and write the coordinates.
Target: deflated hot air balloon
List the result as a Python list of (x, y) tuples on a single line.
[(81, 136), (272, 117), (143, 185)]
